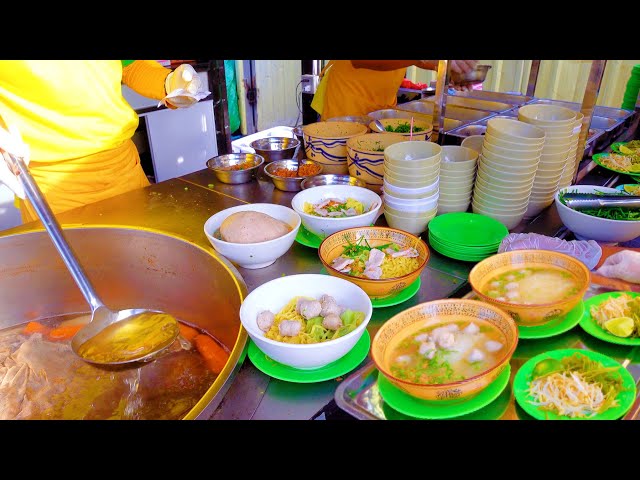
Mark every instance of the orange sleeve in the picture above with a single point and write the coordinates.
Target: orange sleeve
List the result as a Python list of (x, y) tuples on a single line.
[(146, 77)]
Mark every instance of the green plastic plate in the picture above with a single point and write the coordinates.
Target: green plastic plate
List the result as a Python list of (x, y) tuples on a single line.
[(418, 408), (589, 324), (523, 377), (597, 159), (554, 327), (334, 370), (615, 147), (470, 229), (463, 249), (308, 239)]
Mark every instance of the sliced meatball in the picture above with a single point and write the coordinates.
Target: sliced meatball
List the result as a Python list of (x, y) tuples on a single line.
[(265, 320)]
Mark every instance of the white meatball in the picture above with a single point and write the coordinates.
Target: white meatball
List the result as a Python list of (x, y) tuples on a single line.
[(329, 306), (427, 348), (476, 355), (423, 337), (308, 308), (471, 329), (332, 322), (265, 320), (289, 328), (492, 346)]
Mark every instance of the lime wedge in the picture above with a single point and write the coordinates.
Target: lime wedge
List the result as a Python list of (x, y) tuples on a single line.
[(633, 189), (625, 150), (621, 326), (634, 168)]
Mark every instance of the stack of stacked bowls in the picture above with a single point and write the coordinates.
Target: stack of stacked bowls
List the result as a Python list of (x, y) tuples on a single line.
[(326, 144), (457, 174), (557, 123), (506, 170), (572, 161), (410, 186)]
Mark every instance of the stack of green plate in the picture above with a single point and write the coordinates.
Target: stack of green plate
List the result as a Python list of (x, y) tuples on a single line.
[(630, 98), (466, 236)]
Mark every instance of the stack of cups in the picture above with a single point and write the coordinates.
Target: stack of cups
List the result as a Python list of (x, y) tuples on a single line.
[(630, 99), (410, 185), (507, 167), (457, 174), (572, 161), (557, 123)]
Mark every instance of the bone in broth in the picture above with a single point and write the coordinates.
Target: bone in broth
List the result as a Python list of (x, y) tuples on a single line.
[(41, 377), (532, 286)]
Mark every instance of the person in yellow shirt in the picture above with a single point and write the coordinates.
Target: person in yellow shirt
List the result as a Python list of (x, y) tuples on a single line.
[(359, 87), (68, 118)]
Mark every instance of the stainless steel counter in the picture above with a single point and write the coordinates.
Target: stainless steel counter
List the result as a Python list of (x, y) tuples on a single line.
[(181, 206)]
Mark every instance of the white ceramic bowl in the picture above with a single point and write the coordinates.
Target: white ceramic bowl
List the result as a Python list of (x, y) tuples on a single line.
[(409, 171), (504, 182), (445, 208), (496, 172), (254, 255), (403, 213), (520, 168), (414, 226), (410, 193), (588, 227), (510, 154), (417, 206), (512, 144), (505, 198), (413, 154), (515, 131), (325, 226), (474, 142), (508, 220), (407, 181), (457, 157), (546, 114), (275, 294), (326, 143), (503, 189)]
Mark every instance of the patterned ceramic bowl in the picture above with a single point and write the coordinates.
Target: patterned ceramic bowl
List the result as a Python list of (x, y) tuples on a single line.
[(334, 244), (536, 314), (326, 144), (440, 313), (365, 156)]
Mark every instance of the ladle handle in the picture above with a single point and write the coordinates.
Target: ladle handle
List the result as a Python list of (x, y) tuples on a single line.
[(33, 193)]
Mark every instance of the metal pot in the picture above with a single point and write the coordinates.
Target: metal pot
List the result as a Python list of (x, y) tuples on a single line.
[(128, 267)]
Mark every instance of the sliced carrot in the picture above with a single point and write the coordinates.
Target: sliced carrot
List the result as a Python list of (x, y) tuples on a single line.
[(35, 327), (214, 355), (64, 332), (188, 332)]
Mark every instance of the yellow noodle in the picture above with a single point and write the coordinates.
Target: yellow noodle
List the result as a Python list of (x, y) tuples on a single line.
[(399, 266), (288, 312)]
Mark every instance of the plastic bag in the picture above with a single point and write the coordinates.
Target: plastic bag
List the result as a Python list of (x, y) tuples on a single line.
[(587, 251), (624, 265)]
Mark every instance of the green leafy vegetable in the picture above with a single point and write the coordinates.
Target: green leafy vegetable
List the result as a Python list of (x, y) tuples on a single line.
[(610, 213)]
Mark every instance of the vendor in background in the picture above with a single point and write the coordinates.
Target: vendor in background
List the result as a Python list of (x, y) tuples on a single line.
[(69, 120), (359, 87)]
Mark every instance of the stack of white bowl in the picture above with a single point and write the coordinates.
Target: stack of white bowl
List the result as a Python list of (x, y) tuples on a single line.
[(557, 123), (410, 185), (474, 142), (572, 160), (457, 174), (507, 167)]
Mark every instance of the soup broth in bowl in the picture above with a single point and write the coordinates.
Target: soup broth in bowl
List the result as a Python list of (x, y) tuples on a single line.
[(533, 286)]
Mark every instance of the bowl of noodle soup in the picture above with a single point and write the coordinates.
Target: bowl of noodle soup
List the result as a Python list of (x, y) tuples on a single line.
[(405, 257), (280, 297)]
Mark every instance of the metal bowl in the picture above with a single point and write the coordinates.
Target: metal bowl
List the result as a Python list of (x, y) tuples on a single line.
[(287, 184), (275, 148), (475, 76), (319, 180), (363, 119), (217, 165)]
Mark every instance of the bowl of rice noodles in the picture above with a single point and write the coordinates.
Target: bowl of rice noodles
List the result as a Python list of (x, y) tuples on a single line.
[(380, 260)]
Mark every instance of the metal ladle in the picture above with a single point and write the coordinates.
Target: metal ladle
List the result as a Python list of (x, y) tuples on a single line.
[(379, 125), (111, 337)]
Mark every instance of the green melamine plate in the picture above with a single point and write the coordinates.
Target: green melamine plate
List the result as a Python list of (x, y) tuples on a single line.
[(397, 298), (589, 324), (596, 158), (523, 377), (308, 239), (615, 147), (459, 256), (462, 249), (470, 229), (334, 370), (554, 327), (417, 408)]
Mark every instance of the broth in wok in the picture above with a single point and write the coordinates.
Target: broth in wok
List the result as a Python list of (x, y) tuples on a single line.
[(41, 377)]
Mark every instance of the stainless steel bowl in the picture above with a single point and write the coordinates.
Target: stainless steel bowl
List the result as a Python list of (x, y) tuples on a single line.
[(275, 148), (287, 184), (217, 165), (363, 119), (319, 180), (475, 76)]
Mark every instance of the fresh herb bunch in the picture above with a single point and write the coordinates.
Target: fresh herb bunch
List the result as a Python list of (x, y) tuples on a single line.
[(610, 213), (403, 128)]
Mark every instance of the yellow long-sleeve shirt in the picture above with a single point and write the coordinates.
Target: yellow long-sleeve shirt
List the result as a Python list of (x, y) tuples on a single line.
[(78, 125)]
